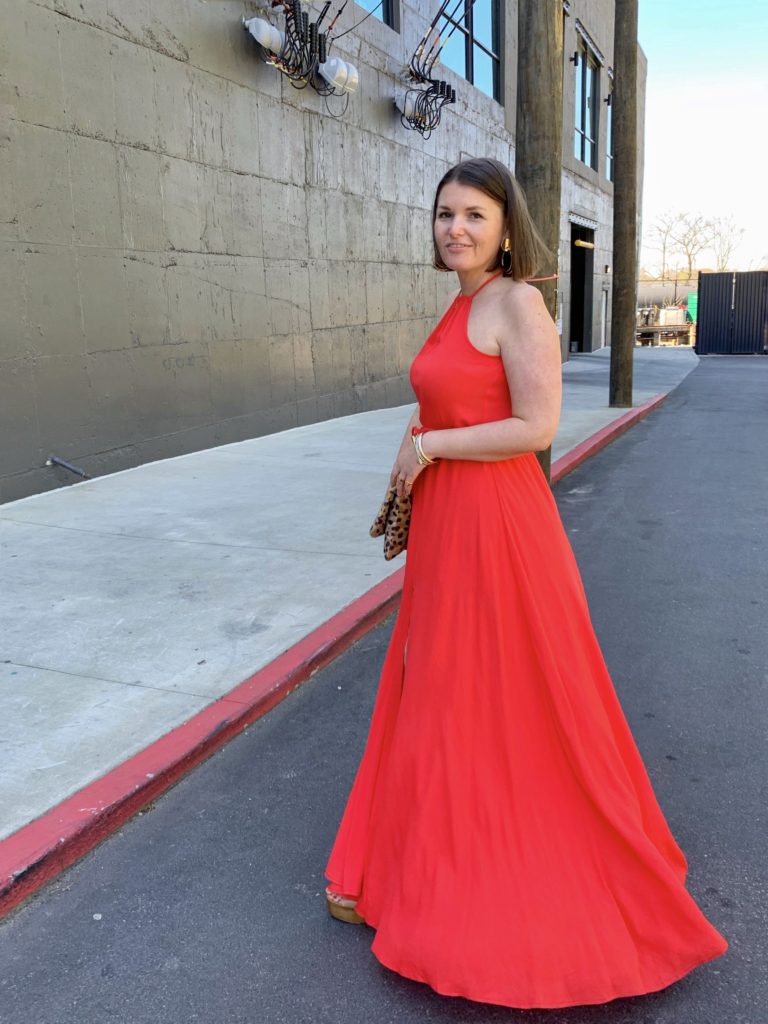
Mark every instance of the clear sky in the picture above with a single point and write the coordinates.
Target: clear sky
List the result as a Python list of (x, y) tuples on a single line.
[(706, 125)]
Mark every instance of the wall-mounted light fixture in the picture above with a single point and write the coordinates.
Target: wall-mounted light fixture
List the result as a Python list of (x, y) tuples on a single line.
[(580, 244), (269, 36), (300, 50), (339, 74)]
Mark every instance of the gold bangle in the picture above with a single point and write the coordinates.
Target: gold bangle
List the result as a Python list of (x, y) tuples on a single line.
[(419, 445), (423, 461)]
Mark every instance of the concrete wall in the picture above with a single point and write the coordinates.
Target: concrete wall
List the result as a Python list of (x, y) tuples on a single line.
[(192, 251)]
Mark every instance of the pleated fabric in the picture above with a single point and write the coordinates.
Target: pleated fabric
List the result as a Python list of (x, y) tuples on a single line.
[(501, 834)]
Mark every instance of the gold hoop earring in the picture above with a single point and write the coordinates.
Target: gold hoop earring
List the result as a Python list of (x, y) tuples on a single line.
[(506, 255)]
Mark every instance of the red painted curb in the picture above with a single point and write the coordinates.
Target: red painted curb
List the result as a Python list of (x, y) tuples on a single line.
[(41, 850), (604, 436)]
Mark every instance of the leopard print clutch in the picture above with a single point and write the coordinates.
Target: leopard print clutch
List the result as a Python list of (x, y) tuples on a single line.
[(392, 520)]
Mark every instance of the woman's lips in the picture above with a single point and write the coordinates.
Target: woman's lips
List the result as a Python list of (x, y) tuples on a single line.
[(458, 246)]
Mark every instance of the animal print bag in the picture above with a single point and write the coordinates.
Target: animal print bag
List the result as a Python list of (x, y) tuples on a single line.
[(392, 520)]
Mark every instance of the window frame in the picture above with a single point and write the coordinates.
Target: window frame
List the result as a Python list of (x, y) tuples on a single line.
[(465, 25), (588, 66), (385, 15), (610, 151)]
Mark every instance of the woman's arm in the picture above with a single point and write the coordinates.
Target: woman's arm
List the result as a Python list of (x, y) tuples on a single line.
[(406, 455), (530, 350)]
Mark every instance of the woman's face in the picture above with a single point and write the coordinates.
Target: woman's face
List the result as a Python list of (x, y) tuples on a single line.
[(469, 227)]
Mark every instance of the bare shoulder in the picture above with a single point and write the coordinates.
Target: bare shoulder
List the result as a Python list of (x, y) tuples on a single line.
[(523, 325), (522, 302), (523, 318)]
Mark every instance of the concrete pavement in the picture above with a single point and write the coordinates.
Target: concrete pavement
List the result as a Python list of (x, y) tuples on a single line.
[(133, 602)]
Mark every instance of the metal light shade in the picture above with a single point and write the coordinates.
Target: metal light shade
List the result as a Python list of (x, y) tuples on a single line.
[(335, 72), (352, 78), (270, 37), (339, 74)]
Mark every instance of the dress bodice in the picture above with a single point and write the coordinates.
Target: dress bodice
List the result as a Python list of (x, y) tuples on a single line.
[(455, 383)]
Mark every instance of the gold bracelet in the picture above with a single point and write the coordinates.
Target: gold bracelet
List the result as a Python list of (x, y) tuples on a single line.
[(423, 460), (427, 459)]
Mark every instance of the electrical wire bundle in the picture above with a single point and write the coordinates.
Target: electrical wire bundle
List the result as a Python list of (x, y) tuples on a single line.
[(423, 59), (300, 53), (305, 48), (421, 108)]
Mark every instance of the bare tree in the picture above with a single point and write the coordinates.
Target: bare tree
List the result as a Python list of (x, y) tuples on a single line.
[(725, 238), (691, 234), (660, 234)]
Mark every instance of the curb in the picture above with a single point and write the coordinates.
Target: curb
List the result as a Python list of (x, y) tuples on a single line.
[(41, 850), (604, 436)]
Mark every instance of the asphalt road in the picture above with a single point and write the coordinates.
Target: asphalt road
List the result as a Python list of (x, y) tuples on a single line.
[(209, 906)]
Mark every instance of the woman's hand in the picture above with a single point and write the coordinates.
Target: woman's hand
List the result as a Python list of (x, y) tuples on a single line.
[(405, 469)]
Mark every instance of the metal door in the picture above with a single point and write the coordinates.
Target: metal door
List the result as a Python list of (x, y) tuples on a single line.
[(750, 312), (714, 316), (733, 313)]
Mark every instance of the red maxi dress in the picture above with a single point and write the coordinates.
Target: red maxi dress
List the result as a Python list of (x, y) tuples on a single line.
[(501, 833)]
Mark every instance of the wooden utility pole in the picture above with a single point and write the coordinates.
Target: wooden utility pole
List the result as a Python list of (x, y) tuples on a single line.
[(539, 133), (624, 110)]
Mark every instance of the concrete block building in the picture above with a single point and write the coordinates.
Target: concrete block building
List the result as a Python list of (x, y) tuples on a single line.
[(193, 251)]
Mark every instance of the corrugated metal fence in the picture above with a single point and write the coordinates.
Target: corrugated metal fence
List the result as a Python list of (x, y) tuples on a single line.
[(733, 313)]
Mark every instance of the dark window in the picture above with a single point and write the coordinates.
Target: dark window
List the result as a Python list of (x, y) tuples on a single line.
[(609, 138), (381, 9), (587, 97), (474, 47)]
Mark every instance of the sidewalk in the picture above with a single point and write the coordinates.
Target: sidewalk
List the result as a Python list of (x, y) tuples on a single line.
[(133, 602)]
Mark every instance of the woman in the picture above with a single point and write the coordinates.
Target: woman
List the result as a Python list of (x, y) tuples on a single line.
[(501, 834)]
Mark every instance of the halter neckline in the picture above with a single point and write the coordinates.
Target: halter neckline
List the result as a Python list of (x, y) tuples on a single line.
[(474, 293)]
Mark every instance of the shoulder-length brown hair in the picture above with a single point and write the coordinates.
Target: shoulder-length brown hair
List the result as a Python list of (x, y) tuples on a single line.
[(493, 178)]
